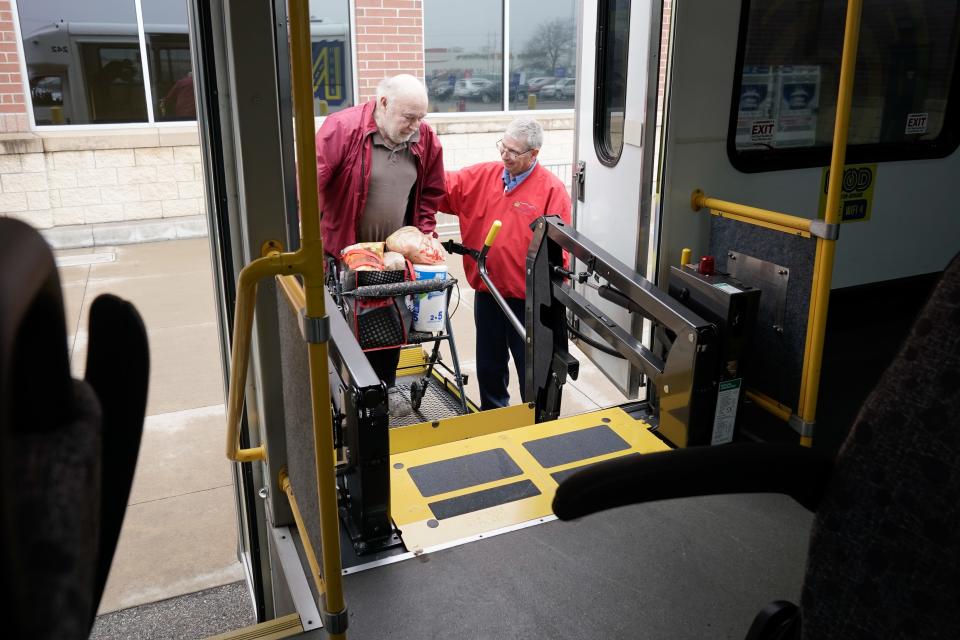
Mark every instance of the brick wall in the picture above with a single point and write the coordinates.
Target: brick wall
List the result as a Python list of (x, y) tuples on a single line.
[(13, 108), (389, 37)]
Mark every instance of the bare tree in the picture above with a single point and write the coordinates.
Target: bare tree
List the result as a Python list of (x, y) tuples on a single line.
[(552, 45)]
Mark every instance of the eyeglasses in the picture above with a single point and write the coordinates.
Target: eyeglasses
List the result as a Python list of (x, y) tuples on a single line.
[(510, 153)]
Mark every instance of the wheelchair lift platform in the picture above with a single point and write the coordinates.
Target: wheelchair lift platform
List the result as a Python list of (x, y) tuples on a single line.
[(455, 491)]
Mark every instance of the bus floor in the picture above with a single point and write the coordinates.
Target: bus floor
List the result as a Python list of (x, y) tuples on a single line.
[(165, 551), (485, 559), (691, 568)]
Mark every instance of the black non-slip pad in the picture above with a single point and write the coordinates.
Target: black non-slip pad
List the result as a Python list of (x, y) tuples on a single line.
[(576, 445), (560, 476), (483, 499), (466, 471)]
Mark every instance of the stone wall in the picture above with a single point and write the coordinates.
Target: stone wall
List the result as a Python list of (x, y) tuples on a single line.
[(86, 188)]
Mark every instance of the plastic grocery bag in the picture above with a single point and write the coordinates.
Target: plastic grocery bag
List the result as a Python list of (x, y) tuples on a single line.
[(393, 261), (363, 256), (417, 247)]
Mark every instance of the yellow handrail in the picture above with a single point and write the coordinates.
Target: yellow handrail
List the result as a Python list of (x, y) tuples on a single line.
[(308, 263), (287, 487), (826, 248), (769, 405), (240, 350), (763, 217)]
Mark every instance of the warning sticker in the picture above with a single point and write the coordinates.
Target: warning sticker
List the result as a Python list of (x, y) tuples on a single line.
[(761, 131), (916, 123), (856, 192), (724, 420)]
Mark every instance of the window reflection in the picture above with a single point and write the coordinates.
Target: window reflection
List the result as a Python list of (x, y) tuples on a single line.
[(46, 91), (330, 44), (463, 52), (543, 47), (791, 64), (168, 59), (83, 61), (114, 82)]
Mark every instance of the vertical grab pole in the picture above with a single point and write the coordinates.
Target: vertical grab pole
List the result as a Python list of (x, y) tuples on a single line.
[(826, 249), (333, 608)]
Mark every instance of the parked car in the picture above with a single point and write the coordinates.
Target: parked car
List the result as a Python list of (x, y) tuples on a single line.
[(535, 84), (441, 88), (478, 89), (562, 88)]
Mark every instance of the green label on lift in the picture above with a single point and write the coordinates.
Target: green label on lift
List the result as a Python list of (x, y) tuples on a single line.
[(724, 420)]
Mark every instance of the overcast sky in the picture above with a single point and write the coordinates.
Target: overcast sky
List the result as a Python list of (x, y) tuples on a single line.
[(479, 23)]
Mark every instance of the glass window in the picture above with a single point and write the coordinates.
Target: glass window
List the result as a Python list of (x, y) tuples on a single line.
[(168, 58), (785, 98), (610, 101), (332, 68), (543, 49), (463, 54), (83, 61)]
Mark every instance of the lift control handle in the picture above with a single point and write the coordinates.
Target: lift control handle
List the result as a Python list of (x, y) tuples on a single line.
[(492, 234), (482, 269)]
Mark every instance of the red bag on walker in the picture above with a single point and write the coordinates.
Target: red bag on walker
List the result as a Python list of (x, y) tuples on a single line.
[(377, 322), (363, 256)]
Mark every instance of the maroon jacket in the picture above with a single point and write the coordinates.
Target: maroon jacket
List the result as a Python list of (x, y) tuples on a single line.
[(344, 150)]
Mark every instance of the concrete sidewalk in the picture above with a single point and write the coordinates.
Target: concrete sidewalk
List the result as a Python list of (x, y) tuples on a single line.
[(180, 532)]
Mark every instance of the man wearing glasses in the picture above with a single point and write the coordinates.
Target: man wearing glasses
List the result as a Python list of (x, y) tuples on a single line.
[(516, 191)]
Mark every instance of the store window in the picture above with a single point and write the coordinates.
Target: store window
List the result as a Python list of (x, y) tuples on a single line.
[(83, 62), (332, 67), (463, 54), (610, 100), (906, 84), (465, 49), (543, 49)]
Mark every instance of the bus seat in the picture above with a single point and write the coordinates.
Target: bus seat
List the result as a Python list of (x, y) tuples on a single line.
[(68, 447), (884, 554)]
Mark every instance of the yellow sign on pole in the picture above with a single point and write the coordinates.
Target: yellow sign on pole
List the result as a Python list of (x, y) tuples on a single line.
[(856, 194)]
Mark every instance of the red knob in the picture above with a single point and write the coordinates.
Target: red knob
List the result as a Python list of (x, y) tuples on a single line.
[(706, 266)]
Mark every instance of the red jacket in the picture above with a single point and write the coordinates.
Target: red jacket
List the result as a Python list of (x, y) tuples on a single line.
[(344, 150), (475, 194)]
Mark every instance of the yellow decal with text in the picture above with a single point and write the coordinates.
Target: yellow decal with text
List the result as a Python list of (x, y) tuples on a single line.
[(856, 192)]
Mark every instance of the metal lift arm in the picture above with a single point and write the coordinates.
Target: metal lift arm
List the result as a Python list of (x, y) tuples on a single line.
[(362, 437), (682, 381)]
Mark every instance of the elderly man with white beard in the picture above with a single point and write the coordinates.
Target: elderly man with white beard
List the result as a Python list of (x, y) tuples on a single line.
[(379, 168)]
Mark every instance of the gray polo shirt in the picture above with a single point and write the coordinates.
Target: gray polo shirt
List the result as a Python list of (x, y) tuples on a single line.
[(393, 173)]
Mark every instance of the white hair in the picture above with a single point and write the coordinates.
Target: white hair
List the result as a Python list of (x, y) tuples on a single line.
[(526, 128), (403, 85)]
